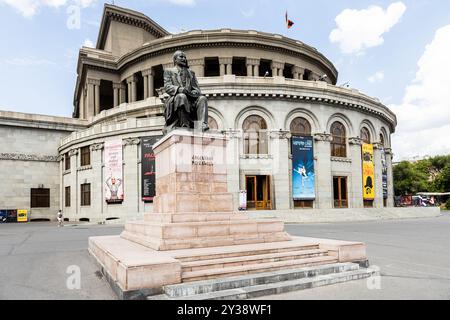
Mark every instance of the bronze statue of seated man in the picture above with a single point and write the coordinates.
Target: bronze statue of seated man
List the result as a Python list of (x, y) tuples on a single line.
[(186, 106)]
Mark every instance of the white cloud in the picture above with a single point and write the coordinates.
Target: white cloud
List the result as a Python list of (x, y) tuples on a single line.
[(88, 43), (29, 8), (424, 114), (28, 61), (190, 3), (361, 29), (376, 77)]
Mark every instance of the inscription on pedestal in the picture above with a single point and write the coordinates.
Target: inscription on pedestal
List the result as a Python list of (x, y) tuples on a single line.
[(202, 161)]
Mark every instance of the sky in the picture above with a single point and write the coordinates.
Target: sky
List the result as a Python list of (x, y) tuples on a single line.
[(397, 51)]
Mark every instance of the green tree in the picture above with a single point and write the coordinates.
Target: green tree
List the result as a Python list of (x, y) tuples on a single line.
[(408, 179)]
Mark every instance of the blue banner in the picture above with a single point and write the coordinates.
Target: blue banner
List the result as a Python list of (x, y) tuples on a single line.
[(384, 174), (303, 177)]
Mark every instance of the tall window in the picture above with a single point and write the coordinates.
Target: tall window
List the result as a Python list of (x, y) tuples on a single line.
[(300, 127), (67, 196), (338, 144), (212, 123), (66, 161), (85, 156), (86, 194), (40, 198), (255, 135), (365, 135), (382, 141)]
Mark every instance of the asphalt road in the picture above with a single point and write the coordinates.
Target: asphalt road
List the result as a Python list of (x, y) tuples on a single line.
[(36, 260)]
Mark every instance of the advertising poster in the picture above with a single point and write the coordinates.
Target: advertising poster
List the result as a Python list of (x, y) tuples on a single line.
[(148, 178), (243, 200), (303, 177), (368, 172), (113, 171), (22, 215), (384, 173)]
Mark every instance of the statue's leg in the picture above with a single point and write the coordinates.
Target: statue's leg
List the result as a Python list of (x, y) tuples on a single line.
[(182, 105), (202, 112)]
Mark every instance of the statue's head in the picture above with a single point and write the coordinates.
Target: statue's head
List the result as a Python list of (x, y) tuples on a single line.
[(179, 59)]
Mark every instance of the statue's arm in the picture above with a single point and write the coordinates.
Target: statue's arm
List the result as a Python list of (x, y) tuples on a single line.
[(194, 84), (169, 87)]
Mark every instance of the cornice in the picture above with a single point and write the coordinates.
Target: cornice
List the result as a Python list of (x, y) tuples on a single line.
[(28, 157)]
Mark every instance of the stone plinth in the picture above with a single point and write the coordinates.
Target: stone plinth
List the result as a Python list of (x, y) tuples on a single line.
[(192, 207), (194, 233)]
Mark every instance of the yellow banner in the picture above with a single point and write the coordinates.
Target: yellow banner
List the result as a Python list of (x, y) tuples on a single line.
[(368, 172), (22, 215)]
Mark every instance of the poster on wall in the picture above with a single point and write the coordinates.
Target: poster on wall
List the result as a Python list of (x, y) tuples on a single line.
[(368, 172), (113, 171), (384, 173), (303, 177), (148, 179)]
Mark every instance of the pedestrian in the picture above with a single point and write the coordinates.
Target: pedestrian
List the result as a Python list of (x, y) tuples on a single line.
[(59, 216)]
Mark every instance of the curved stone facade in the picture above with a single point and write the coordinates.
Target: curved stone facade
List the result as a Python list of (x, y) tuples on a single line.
[(235, 93)]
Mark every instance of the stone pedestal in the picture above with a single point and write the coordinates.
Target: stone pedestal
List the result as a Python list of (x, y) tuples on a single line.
[(194, 233), (192, 207)]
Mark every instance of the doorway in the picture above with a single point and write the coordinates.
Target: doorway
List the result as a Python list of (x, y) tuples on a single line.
[(340, 192), (258, 192)]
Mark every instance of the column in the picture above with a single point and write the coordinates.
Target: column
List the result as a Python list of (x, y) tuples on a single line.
[(225, 65), (249, 70), (131, 187), (132, 89), (149, 83), (97, 195), (298, 72), (232, 158), (122, 93), (324, 180), (198, 66), (277, 69), (378, 183), (116, 88), (390, 177), (356, 189), (93, 92), (280, 169)]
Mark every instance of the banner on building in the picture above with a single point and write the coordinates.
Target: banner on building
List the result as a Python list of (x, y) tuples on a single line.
[(384, 175), (113, 171), (22, 215), (303, 176), (368, 172), (148, 177)]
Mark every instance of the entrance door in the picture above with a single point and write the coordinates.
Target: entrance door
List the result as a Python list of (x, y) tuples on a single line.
[(340, 192), (258, 192)]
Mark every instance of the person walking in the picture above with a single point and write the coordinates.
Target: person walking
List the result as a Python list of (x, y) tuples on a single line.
[(59, 216)]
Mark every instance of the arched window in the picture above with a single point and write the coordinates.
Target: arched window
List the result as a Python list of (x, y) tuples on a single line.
[(300, 127), (212, 123), (338, 144), (255, 135), (365, 135), (382, 141)]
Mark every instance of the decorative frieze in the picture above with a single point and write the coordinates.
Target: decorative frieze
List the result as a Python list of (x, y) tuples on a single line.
[(73, 152), (95, 82), (355, 141), (340, 159), (97, 146), (131, 141), (256, 156), (325, 137), (28, 157), (280, 134)]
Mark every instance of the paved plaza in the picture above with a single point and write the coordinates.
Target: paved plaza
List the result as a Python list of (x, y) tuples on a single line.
[(36, 260)]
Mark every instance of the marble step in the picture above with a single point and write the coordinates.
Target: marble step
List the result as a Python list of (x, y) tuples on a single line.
[(177, 243), (242, 250), (251, 259), (281, 287), (255, 268), (194, 217), (187, 230), (208, 286)]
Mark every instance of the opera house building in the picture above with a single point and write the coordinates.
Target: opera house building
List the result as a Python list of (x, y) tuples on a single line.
[(295, 139)]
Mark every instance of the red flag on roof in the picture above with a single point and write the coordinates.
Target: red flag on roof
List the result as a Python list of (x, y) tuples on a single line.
[(289, 23)]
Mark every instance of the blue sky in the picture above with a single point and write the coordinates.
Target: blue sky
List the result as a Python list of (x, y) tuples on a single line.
[(375, 45)]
